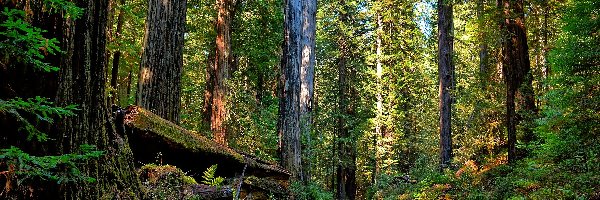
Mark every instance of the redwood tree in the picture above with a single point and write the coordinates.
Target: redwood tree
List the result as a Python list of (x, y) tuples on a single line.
[(82, 82), (290, 88), (219, 72), (516, 70), (347, 97), (307, 78), (446, 78), (297, 85), (159, 82)]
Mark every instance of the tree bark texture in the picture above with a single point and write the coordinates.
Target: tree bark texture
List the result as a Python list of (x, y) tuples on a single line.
[(82, 82), (307, 78), (516, 70), (159, 84), (446, 78), (289, 112), (346, 150), (221, 71)]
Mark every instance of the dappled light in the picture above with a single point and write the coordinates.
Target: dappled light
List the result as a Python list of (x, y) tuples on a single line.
[(299, 99)]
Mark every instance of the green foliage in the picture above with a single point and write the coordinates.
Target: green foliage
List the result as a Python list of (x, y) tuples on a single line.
[(309, 191), (166, 182), (69, 8), (210, 178), (199, 42), (129, 42), (564, 163), (42, 110), (25, 42), (60, 169), (20, 42)]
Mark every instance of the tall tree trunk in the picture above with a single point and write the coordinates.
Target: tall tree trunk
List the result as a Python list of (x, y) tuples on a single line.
[(82, 82), (446, 78), (307, 78), (346, 166), (162, 60), (117, 56), (516, 70), (221, 70), (483, 47), (379, 115), (290, 85)]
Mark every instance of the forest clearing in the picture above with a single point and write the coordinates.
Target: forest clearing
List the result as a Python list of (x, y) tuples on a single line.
[(300, 99)]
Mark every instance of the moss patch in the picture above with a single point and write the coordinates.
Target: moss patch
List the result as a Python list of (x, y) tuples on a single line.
[(152, 134), (143, 119), (166, 182)]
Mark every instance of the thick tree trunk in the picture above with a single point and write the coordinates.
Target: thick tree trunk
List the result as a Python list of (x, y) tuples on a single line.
[(290, 83), (346, 166), (159, 84), (516, 70), (307, 78), (82, 82), (446, 78), (221, 70)]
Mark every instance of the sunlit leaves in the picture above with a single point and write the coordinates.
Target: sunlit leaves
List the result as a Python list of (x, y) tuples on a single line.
[(69, 8), (210, 178)]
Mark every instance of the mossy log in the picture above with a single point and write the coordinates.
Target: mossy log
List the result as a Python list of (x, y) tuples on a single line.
[(155, 140)]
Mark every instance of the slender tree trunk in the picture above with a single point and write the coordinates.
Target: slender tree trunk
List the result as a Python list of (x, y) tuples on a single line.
[(379, 116), (117, 57), (82, 82), (162, 60), (289, 113), (129, 81), (483, 47), (516, 70), (307, 79), (208, 91), (346, 166), (446, 78)]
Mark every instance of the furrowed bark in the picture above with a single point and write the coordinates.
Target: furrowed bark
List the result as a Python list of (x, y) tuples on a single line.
[(159, 84), (289, 115), (82, 82)]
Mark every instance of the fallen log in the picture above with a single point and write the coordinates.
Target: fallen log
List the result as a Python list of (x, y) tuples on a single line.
[(155, 140)]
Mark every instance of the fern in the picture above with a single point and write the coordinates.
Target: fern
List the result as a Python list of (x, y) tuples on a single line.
[(210, 179)]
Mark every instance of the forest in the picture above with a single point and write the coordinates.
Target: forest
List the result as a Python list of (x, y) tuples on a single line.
[(300, 99)]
